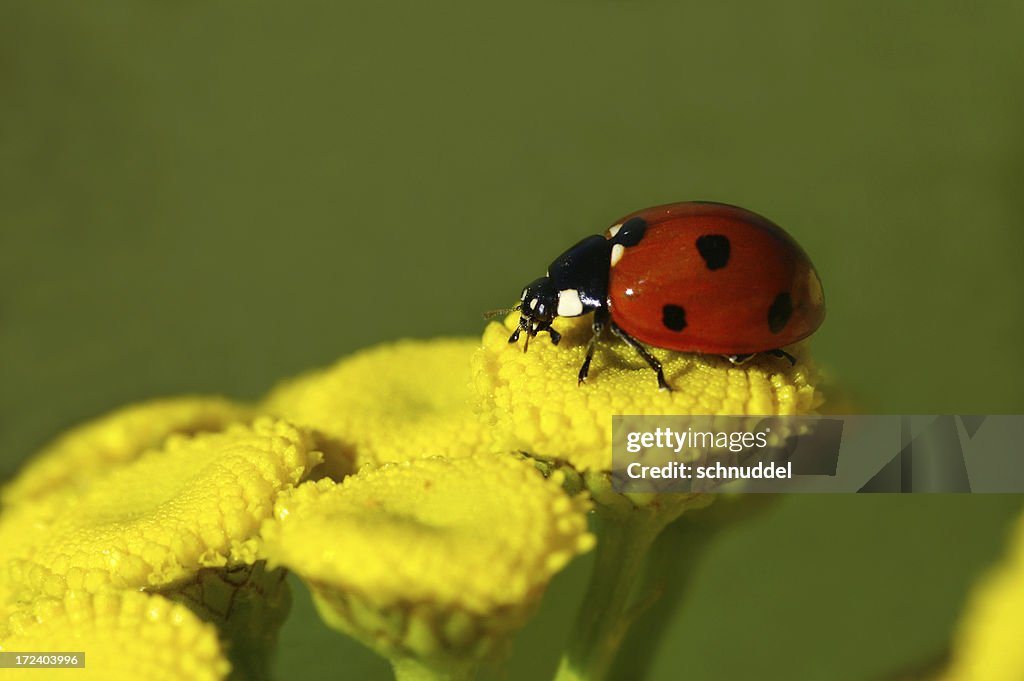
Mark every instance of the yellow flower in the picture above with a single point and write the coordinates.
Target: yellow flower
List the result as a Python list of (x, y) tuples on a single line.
[(393, 402), (987, 646), (196, 503), (432, 559), (126, 636), (76, 458), (534, 404)]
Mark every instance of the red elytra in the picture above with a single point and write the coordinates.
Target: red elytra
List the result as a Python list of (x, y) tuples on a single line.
[(765, 295)]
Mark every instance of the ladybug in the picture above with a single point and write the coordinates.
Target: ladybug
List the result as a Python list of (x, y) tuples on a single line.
[(693, 277)]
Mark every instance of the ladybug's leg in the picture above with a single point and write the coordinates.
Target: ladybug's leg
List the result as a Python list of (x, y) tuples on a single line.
[(743, 359), (546, 326), (533, 331), (651, 360), (737, 360), (523, 326), (600, 320), (782, 354)]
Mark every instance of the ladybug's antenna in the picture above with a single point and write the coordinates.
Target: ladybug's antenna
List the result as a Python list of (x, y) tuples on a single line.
[(491, 314)]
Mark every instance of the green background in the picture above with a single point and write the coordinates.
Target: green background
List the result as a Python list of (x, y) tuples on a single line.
[(211, 196)]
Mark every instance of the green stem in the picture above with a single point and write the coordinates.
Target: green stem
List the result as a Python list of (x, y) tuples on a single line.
[(411, 669), (608, 608), (669, 573)]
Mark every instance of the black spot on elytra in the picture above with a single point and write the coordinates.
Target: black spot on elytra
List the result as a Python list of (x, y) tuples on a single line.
[(673, 317), (714, 248), (780, 312), (631, 232)]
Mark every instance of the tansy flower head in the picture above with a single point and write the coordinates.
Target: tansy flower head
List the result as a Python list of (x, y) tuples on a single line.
[(197, 502), (432, 559), (125, 635), (393, 402), (534, 404), (76, 458)]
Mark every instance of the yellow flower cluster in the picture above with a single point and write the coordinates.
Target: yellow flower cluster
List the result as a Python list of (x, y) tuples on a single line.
[(394, 483), (76, 550), (194, 503)]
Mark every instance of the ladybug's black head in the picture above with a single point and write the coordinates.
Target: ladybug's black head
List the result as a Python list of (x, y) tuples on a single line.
[(539, 301), (538, 307)]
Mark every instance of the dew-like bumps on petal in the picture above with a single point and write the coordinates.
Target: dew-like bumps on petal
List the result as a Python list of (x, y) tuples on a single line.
[(76, 458), (534, 404), (393, 402), (431, 553), (126, 636), (987, 647), (195, 503)]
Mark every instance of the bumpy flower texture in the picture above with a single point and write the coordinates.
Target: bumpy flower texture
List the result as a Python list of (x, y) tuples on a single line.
[(194, 503), (532, 403), (393, 402), (155, 521), (433, 559), (125, 635)]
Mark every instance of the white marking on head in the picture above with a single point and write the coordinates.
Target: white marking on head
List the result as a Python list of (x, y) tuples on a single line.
[(533, 304), (523, 297), (617, 251), (614, 229), (569, 303)]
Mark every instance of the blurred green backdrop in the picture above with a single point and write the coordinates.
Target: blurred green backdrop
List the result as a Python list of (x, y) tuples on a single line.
[(210, 196)]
